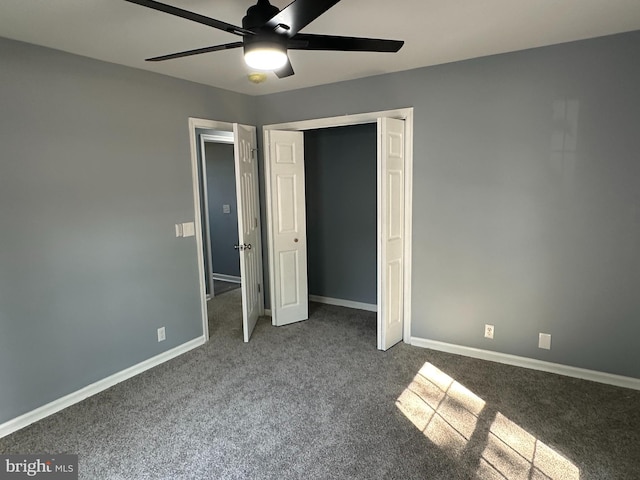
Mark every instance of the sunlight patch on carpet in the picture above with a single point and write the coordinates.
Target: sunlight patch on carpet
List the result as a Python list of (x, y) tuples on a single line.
[(457, 421)]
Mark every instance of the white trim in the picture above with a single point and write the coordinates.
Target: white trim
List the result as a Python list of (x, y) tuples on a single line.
[(341, 121), (370, 307), (223, 277), (532, 363), (408, 220), (266, 156), (205, 202), (405, 114), (97, 387), (260, 248), (218, 137)]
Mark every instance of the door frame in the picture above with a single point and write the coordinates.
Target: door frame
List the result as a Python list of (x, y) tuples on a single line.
[(194, 145), (405, 114), (204, 139)]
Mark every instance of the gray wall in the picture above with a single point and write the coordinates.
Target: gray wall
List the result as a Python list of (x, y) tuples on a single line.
[(340, 182), (526, 208), (526, 196), (221, 190), (95, 171)]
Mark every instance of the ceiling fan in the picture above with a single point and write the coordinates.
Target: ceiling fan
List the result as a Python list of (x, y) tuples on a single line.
[(268, 33)]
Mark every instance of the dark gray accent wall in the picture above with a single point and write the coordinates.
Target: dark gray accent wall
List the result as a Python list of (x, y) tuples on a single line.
[(341, 193), (526, 205), (95, 170), (221, 190)]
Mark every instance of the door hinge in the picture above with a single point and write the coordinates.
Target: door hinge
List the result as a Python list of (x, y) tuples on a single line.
[(255, 223), (254, 153), (259, 289)]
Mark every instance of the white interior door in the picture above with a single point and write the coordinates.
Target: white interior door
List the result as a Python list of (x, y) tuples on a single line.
[(390, 231), (249, 246), (287, 227)]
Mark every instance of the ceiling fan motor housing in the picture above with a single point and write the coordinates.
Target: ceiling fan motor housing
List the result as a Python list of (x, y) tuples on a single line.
[(259, 14), (266, 42), (265, 39)]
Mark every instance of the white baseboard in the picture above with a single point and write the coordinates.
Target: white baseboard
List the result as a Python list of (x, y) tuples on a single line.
[(371, 307), (226, 278), (267, 312), (566, 370), (97, 387)]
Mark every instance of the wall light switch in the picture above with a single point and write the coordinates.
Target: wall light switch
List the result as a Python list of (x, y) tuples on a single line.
[(188, 229), (178, 229), (544, 341), (226, 209)]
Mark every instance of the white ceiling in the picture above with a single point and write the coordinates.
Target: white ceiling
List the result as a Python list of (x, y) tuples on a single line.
[(434, 31)]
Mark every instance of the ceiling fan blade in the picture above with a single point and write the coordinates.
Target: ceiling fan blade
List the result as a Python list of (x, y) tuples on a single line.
[(285, 71), (194, 17), (197, 51), (298, 14), (304, 41)]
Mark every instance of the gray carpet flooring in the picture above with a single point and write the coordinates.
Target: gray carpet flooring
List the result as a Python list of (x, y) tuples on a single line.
[(220, 286), (316, 400)]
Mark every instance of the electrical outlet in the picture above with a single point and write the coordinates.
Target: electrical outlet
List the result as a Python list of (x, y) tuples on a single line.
[(544, 341), (162, 336), (488, 331)]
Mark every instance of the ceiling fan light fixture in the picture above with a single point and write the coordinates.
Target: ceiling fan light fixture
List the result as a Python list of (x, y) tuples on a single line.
[(265, 55), (268, 32)]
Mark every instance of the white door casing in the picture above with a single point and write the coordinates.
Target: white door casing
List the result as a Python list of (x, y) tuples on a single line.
[(208, 257), (403, 297), (287, 226), (249, 244), (391, 236), (205, 138)]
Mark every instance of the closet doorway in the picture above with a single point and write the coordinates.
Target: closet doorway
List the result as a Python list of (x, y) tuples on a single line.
[(286, 219)]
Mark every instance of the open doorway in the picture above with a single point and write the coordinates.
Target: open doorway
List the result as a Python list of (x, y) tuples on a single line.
[(248, 247), (286, 219), (219, 211), (340, 190)]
